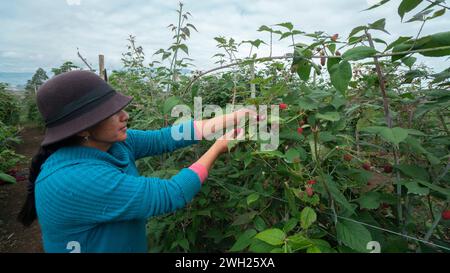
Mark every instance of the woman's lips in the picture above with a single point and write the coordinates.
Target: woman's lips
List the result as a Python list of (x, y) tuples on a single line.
[(123, 128)]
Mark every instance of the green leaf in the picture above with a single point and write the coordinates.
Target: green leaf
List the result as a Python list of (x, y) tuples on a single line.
[(413, 171), (304, 69), (265, 28), (307, 217), (440, 39), (437, 14), (259, 246), (290, 225), (414, 188), (378, 4), (407, 6), (397, 42), (409, 61), (340, 75), (353, 235), (184, 244), (170, 103), (370, 200), (436, 188), (244, 218), (292, 155), (244, 240), (379, 25), (184, 48), (299, 241), (287, 25), (331, 62), (272, 236), (7, 178), (331, 116), (356, 30), (358, 53), (394, 135), (260, 225), (252, 198)]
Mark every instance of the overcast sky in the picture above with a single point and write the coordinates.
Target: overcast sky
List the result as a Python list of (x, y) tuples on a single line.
[(45, 33)]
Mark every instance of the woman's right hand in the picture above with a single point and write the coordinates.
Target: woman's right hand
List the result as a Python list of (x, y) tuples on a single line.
[(221, 144)]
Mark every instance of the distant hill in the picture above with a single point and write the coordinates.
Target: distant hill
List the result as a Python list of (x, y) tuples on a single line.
[(16, 80)]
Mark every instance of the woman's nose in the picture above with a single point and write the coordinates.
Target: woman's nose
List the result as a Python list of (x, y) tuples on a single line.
[(124, 115)]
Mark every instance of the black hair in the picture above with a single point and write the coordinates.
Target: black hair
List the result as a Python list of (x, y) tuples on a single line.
[(28, 212)]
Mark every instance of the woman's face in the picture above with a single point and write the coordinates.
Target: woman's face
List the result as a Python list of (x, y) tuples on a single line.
[(108, 131)]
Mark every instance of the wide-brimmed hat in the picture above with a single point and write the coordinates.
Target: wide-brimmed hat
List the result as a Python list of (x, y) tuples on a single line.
[(74, 101)]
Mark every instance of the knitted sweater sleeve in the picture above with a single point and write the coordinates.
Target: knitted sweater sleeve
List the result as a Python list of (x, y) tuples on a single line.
[(155, 142), (97, 193)]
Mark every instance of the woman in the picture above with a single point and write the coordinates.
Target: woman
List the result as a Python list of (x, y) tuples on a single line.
[(84, 185)]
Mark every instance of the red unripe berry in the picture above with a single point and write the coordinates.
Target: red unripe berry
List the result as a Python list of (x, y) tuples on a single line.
[(283, 106), (387, 168), (446, 214), (334, 37), (300, 130), (348, 157), (309, 191), (311, 182), (366, 166)]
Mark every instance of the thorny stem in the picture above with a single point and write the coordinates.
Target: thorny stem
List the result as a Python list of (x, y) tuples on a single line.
[(387, 114)]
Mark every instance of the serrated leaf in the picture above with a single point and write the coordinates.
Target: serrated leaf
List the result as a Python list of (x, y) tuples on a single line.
[(290, 225), (304, 69), (358, 53), (414, 188), (379, 25), (292, 155), (397, 42), (356, 30), (394, 135), (272, 236), (413, 171), (370, 200), (244, 218), (331, 116), (307, 217), (406, 6), (409, 61), (341, 74), (244, 240), (252, 198), (170, 103), (353, 235), (265, 28), (287, 25)]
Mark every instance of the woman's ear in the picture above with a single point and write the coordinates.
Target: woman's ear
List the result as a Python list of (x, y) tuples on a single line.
[(84, 134)]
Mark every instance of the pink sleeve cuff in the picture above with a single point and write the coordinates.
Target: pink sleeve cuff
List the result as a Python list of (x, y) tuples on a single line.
[(200, 170), (197, 130)]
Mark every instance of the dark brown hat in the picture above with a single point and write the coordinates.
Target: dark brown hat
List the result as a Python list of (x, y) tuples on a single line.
[(74, 101)]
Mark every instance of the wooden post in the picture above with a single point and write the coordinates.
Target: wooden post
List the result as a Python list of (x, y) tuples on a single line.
[(101, 64)]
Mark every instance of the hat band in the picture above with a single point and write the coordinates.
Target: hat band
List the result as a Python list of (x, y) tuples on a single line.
[(81, 105)]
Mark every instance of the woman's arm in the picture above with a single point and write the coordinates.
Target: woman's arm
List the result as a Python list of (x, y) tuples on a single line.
[(207, 127), (206, 161)]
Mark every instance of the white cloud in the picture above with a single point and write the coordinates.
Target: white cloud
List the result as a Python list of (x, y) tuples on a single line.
[(45, 33)]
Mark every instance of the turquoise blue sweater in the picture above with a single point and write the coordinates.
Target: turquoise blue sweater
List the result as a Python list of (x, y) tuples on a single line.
[(88, 200)]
